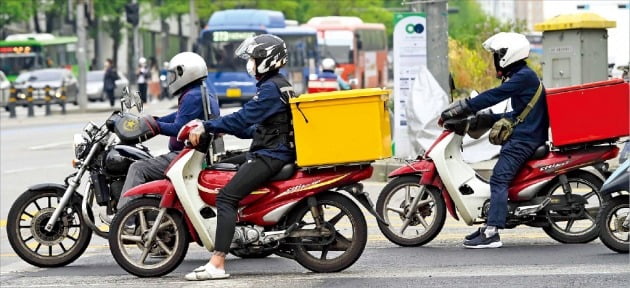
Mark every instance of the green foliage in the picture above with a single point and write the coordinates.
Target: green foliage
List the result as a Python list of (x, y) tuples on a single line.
[(14, 11), (302, 10), (470, 64)]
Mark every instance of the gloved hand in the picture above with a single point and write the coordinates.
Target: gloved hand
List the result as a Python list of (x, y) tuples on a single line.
[(483, 120), (196, 132), (480, 124), (456, 109)]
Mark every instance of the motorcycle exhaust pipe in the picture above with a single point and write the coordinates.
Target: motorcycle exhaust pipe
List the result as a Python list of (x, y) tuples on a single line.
[(526, 210)]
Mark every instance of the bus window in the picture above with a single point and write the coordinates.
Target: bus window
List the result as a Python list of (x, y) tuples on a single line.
[(219, 47), (338, 45)]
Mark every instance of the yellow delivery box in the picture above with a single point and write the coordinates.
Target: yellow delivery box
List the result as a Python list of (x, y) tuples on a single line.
[(341, 127)]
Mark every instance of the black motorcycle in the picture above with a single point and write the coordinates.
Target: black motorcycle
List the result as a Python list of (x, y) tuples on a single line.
[(614, 217), (50, 225)]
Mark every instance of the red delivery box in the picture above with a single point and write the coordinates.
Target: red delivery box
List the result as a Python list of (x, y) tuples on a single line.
[(589, 112)]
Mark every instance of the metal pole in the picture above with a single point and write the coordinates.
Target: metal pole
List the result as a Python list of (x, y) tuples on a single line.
[(437, 42), (193, 25), (82, 97), (136, 45)]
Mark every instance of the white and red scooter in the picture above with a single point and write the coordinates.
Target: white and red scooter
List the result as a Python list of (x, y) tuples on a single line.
[(300, 214), (550, 191)]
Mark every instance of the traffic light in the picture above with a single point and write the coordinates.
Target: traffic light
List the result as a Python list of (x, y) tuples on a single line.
[(133, 17)]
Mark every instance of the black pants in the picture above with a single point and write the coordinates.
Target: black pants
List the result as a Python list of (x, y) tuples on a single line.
[(110, 96), (142, 88), (251, 175)]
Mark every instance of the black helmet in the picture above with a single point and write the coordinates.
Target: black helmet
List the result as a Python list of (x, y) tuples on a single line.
[(265, 53)]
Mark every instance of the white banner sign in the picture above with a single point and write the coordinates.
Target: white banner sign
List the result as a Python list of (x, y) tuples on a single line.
[(410, 53)]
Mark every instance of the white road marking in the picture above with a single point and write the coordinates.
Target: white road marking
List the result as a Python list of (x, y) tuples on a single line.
[(51, 145), (35, 168)]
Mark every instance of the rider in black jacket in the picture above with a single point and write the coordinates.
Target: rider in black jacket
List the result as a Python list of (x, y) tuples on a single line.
[(272, 145)]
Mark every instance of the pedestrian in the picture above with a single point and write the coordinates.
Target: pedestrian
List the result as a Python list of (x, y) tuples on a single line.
[(154, 80), (521, 85), (272, 142), (109, 81), (142, 75)]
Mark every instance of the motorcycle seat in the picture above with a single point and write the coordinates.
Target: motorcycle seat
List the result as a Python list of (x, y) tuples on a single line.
[(286, 172), (540, 152), (224, 167)]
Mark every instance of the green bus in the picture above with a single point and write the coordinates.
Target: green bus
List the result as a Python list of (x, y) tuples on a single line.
[(25, 52)]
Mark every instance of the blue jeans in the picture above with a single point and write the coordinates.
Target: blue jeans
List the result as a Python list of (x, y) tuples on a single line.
[(513, 155)]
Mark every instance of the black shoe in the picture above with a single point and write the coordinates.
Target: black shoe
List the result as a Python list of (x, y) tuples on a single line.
[(482, 241), (475, 234)]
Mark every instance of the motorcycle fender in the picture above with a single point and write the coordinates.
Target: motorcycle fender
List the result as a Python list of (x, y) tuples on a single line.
[(450, 205), (412, 168), (76, 199), (157, 187), (616, 185)]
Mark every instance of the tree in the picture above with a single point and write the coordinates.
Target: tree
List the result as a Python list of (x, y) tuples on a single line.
[(110, 13), (12, 11)]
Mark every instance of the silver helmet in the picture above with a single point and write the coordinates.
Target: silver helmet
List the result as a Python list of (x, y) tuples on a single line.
[(183, 69)]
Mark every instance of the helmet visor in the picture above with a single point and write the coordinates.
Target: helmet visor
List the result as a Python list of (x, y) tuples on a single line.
[(242, 50)]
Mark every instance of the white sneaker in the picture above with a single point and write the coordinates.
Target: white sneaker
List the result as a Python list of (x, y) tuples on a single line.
[(206, 272)]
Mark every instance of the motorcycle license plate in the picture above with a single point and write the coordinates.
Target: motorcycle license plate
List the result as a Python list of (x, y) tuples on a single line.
[(233, 92)]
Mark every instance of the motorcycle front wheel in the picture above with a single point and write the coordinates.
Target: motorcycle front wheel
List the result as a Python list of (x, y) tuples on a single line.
[(128, 237), (346, 242), (613, 233), (28, 216), (394, 204)]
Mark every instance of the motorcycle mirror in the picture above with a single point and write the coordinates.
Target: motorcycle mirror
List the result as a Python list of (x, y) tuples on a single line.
[(137, 101)]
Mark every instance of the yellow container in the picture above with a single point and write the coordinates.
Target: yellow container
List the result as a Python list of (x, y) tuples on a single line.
[(341, 127)]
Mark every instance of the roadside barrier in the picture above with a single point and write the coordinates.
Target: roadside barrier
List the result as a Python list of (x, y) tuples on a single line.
[(28, 99)]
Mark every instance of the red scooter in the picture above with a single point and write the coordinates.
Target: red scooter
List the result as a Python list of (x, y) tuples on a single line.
[(300, 214), (551, 191)]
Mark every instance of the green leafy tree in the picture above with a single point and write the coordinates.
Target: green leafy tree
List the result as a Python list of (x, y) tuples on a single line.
[(111, 15), (13, 11)]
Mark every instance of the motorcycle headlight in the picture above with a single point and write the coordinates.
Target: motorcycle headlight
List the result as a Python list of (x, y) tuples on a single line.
[(80, 146)]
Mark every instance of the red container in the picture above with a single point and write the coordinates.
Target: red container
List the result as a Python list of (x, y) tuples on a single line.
[(589, 112)]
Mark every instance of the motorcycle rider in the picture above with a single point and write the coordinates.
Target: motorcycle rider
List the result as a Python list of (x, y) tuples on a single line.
[(519, 84), (328, 75), (186, 72), (272, 145)]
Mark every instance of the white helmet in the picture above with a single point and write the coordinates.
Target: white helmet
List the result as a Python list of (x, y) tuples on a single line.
[(142, 61), (183, 69), (328, 64), (509, 47)]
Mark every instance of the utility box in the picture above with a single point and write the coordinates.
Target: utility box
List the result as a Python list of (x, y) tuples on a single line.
[(575, 49)]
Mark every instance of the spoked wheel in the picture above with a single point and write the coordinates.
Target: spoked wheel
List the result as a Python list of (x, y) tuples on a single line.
[(575, 222), (28, 216), (130, 243), (410, 226), (339, 242), (613, 222)]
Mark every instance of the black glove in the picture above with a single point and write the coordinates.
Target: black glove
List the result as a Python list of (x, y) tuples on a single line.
[(482, 120), (456, 109), (480, 124)]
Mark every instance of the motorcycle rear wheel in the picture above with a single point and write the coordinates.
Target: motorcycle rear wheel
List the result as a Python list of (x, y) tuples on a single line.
[(574, 230), (128, 235), (427, 221), (347, 243), (25, 229), (610, 218)]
